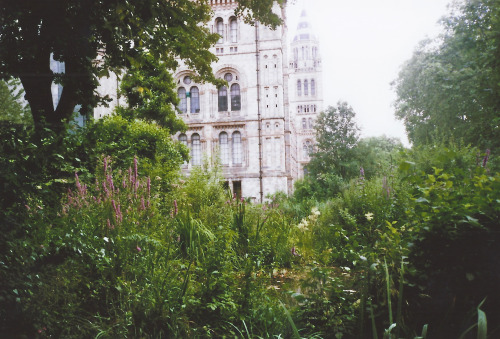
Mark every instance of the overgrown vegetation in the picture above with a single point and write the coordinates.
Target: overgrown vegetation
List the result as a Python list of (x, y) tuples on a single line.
[(101, 237)]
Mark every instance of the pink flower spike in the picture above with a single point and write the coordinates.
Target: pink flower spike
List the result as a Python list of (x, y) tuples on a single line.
[(138, 249), (149, 186), (135, 168), (175, 208)]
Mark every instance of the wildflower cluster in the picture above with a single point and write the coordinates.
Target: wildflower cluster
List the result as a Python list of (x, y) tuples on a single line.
[(309, 220), (132, 196)]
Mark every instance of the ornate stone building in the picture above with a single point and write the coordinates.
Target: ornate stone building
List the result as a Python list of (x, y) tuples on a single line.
[(260, 125)]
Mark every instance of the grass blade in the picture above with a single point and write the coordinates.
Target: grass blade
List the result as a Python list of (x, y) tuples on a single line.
[(290, 320)]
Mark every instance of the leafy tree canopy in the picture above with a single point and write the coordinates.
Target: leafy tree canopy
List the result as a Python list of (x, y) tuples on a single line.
[(337, 135), (93, 38), (451, 86), (150, 91)]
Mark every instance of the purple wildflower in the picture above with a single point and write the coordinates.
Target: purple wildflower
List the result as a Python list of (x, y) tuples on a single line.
[(175, 208), (294, 252), (361, 172), (138, 249), (486, 157), (149, 186), (143, 207), (105, 165), (135, 168)]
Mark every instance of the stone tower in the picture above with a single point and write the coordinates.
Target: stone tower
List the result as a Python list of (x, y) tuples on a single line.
[(306, 88)]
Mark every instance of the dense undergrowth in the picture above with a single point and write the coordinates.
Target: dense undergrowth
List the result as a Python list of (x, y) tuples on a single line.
[(117, 251)]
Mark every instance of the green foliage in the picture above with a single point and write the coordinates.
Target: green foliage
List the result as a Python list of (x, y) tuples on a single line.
[(150, 92), (376, 155), (337, 136), (158, 155), (454, 220), (11, 107), (327, 306), (450, 87)]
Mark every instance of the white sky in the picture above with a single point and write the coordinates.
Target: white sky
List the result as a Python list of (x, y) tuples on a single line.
[(363, 44)]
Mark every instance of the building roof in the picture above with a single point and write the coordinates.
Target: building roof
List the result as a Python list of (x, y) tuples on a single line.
[(304, 29)]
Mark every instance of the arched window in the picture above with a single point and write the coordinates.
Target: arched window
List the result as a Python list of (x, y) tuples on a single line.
[(195, 100), (299, 88), (235, 97), (313, 87), (181, 93), (223, 99), (306, 88), (196, 149), (224, 148), (220, 30), (310, 123), (233, 25), (237, 148), (183, 139), (304, 123)]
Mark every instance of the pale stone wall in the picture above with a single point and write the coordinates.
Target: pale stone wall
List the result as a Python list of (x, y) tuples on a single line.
[(108, 86), (260, 69)]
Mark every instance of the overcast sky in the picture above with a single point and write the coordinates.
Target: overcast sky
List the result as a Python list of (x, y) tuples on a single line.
[(363, 44)]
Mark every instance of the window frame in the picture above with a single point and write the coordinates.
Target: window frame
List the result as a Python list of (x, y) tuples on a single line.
[(237, 148), (196, 149), (194, 100), (182, 99)]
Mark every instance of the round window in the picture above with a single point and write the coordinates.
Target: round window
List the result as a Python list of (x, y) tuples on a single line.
[(228, 77), (187, 80)]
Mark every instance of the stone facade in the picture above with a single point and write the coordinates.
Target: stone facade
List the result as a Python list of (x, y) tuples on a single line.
[(260, 125), (252, 124)]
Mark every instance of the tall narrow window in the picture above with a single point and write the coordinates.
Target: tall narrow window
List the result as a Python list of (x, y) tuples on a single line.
[(237, 148), (313, 87), (224, 148), (181, 93), (307, 148), (299, 88), (220, 30), (235, 97), (310, 123), (306, 88), (233, 24), (304, 123), (195, 100), (183, 139), (223, 99), (195, 149)]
